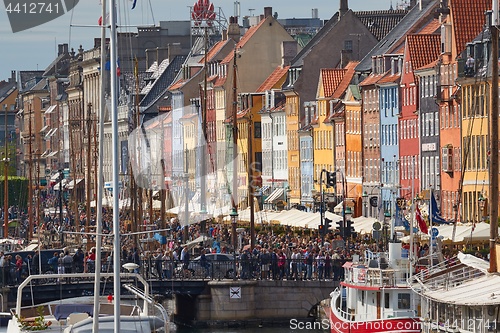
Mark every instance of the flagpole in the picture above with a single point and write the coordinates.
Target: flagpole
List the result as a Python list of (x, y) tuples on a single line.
[(430, 227)]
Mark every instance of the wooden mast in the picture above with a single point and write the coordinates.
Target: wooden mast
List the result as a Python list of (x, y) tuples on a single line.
[(89, 146), (30, 179), (6, 186)]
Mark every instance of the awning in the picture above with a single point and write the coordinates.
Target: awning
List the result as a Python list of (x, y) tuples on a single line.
[(44, 128), (55, 177), (50, 109), (72, 183), (277, 194), (62, 184), (52, 153)]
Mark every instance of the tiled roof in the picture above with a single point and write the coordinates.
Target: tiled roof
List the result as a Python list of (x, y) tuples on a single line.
[(423, 49), (432, 27), (380, 22), (177, 85), (219, 82), (244, 39), (371, 79), (346, 80), (393, 40), (273, 79), (331, 78), (389, 78), (214, 50), (429, 65), (468, 20), (189, 116)]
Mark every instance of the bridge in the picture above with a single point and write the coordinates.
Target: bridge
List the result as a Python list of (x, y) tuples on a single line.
[(200, 302)]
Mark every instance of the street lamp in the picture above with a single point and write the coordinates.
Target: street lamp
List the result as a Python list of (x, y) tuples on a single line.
[(234, 218), (365, 203)]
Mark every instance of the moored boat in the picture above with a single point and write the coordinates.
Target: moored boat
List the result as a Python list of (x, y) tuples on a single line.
[(139, 313), (375, 296)]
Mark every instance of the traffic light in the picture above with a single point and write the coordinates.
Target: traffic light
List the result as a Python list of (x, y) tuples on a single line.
[(321, 229), (328, 224), (331, 179), (340, 227), (349, 230)]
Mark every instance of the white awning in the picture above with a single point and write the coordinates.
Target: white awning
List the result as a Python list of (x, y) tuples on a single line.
[(55, 177), (277, 193), (72, 183), (50, 109), (44, 128), (62, 184), (53, 153)]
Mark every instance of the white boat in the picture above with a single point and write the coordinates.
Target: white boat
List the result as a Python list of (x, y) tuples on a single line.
[(375, 296), (459, 295), (140, 313)]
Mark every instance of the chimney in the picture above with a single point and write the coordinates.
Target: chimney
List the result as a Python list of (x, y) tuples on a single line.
[(268, 11), (59, 49), (12, 76), (288, 52), (233, 30), (174, 50), (344, 7)]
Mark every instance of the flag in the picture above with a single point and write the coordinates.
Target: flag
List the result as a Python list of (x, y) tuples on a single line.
[(106, 21), (135, 3), (107, 67), (436, 214), (420, 220)]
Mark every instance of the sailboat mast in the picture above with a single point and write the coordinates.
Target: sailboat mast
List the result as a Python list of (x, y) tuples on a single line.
[(250, 184), (203, 160), (6, 186), (89, 163), (102, 105), (30, 183), (234, 194), (115, 156), (493, 174)]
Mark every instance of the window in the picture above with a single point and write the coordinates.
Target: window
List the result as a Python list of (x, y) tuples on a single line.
[(386, 300), (348, 45), (447, 158), (257, 130), (403, 301)]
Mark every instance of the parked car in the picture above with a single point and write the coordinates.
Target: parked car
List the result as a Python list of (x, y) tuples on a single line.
[(219, 265)]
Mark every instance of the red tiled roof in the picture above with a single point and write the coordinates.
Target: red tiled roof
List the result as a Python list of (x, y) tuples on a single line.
[(213, 51), (331, 78), (273, 79), (432, 27), (429, 65), (468, 20), (389, 78), (219, 82), (346, 80), (371, 79), (177, 85), (242, 113), (423, 49), (244, 39)]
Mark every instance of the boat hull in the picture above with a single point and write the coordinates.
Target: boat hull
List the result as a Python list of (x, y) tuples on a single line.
[(391, 325)]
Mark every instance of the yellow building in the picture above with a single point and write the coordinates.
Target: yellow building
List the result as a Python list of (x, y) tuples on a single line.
[(475, 98)]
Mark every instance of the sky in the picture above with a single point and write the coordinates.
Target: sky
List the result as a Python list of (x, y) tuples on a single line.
[(36, 48)]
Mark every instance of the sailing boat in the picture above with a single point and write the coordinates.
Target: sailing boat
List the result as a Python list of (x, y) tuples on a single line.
[(97, 314)]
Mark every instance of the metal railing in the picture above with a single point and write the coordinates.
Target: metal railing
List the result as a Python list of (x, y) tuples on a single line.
[(152, 269)]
